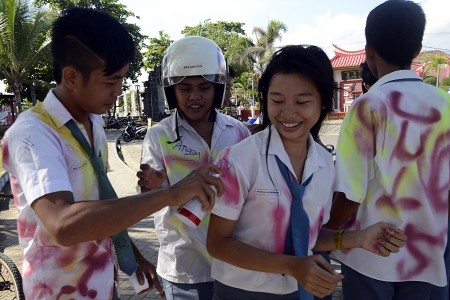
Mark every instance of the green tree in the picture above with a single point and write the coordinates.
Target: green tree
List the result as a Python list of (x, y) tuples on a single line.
[(24, 35), (435, 62), (446, 81), (430, 80), (229, 36), (260, 54), (244, 89), (155, 51), (445, 84), (120, 12)]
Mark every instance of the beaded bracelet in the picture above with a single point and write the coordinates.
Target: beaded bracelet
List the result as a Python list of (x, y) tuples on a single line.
[(338, 239)]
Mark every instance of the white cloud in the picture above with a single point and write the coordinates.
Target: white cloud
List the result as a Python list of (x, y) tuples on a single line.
[(347, 30), (437, 31), (343, 30)]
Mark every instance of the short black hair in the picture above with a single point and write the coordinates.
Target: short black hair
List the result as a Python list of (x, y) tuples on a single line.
[(307, 60), (231, 72), (366, 76), (90, 39), (394, 29)]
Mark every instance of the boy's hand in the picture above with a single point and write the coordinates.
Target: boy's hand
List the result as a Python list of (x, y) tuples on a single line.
[(382, 239), (147, 269), (197, 185), (149, 178)]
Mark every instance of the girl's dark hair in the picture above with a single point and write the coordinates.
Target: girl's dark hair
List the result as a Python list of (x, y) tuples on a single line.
[(306, 60), (90, 39)]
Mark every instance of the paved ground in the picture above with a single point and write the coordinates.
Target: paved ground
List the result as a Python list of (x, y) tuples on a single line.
[(123, 167)]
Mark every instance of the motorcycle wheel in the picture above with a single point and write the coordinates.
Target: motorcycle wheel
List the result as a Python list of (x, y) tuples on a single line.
[(127, 137)]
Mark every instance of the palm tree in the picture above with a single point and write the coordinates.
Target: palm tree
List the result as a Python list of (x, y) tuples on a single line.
[(24, 34), (435, 62), (260, 54), (257, 56)]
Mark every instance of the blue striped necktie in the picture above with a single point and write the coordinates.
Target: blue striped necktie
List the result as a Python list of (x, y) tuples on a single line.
[(121, 240), (297, 237)]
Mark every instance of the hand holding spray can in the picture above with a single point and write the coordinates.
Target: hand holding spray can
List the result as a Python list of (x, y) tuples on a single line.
[(192, 213)]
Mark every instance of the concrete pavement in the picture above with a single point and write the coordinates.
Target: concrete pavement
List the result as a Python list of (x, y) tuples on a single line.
[(123, 167)]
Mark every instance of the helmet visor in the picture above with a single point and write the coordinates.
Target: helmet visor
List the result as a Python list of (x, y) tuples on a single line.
[(214, 78)]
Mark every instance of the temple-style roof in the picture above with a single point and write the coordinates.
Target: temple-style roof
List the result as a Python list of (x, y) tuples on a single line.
[(344, 59), (347, 59)]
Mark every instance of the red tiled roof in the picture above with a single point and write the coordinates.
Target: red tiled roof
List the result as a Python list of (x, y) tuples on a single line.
[(347, 59), (344, 59)]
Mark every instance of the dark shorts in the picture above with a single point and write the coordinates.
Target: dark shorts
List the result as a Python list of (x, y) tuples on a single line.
[(443, 293), (356, 286), (225, 292)]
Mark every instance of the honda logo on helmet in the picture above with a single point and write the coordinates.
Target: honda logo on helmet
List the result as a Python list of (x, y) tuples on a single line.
[(193, 67)]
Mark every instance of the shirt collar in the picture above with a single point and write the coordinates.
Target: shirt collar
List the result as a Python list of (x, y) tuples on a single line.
[(57, 111), (221, 121), (400, 74), (316, 158)]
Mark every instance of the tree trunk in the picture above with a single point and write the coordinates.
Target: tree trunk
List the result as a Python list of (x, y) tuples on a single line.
[(33, 92), (437, 77), (17, 98)]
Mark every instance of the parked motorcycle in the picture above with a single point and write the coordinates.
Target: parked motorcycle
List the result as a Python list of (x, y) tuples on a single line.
[(134, 132), (115, 123)]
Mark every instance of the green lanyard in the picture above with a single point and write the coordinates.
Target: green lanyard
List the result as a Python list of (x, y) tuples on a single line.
[(121, 240)]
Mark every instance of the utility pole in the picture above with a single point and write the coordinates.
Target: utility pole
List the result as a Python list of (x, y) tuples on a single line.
[(137, 86)]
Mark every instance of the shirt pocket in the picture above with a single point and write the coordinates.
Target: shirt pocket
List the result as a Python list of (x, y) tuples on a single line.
[(83, 180)]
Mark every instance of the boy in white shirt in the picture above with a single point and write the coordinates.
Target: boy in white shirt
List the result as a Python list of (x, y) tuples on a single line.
[(393, 164), (56, 153)]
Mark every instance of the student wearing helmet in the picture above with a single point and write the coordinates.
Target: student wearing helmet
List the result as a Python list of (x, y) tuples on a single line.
[(194, 76)]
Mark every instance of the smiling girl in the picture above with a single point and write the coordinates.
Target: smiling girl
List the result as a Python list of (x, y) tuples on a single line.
[(260, 235)]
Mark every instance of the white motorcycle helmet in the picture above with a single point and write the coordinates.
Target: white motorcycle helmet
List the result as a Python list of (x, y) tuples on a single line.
[(194, 56)]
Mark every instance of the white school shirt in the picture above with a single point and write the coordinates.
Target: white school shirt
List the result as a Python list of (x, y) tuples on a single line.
[(259, 200), (43, 159), (393, 158), (182, 256)]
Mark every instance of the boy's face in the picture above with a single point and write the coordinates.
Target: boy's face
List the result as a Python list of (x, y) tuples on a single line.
[(99, 93), (195, 96)]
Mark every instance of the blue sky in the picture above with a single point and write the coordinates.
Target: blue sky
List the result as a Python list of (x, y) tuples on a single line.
[(318, 22)]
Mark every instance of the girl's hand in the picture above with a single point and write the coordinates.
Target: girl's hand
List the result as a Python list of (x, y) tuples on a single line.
[(315, 275)]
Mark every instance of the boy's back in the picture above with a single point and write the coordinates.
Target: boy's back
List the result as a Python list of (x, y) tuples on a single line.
[(397, 138), (393, 163)]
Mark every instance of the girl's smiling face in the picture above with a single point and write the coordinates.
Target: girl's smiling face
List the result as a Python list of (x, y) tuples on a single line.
[(293, 106)]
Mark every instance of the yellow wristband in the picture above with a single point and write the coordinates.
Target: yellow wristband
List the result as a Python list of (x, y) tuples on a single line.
[(338, 239)]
